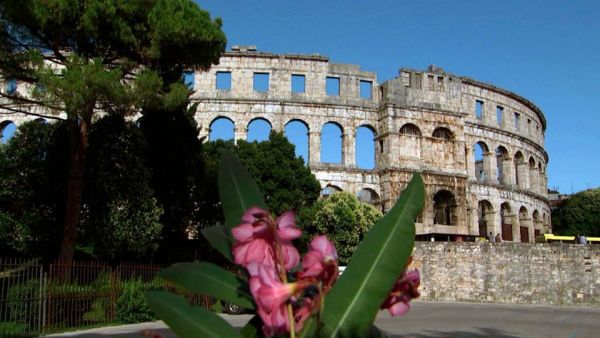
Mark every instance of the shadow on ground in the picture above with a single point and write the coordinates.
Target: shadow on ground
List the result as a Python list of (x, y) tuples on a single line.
[(477, 332)]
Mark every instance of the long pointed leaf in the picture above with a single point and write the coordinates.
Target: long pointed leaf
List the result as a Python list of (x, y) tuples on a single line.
[(237, 190), (212, 280), (186, 321), (220, 238), (354, 301)]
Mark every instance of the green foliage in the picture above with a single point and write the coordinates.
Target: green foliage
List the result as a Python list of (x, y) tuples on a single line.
[(12, 329), (23, 302), (174, 155), (343, 218), (33, 169), (187, 321), (578, 215), (286, 182), (131, 304), (353, 302), (120, 214)]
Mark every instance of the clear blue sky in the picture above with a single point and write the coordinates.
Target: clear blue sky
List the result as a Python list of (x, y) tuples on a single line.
[(546, 51)]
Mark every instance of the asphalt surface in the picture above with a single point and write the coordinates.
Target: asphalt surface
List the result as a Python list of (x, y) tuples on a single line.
[(437, 319)]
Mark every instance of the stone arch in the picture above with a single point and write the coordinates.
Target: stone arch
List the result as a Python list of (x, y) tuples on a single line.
[(298, 133), (502, 165), (520, 170), (410, 141), (538, 223), (7, 130), (445, 208), (364, 146), (332, 143), (369, 196), (330, 189), (221, 128), (258, 129), (485, 214), (524, 224), (533, 175), (506, 221), (443, 133), (482, 164)]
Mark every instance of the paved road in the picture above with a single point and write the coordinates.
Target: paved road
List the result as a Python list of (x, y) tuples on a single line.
[(437, 319)]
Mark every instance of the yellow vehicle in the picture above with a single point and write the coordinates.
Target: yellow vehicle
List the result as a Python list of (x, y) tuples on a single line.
[(550, 238)]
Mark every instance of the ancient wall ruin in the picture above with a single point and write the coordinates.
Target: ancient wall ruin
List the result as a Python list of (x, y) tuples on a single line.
[(426, 121), (540, 273)]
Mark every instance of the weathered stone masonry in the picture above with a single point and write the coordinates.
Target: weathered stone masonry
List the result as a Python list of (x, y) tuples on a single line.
[(427, 121), (540, 273)]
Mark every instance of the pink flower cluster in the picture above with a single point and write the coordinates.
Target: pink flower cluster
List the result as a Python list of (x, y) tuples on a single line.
[(405, 289), (284, 300), (264, 247)]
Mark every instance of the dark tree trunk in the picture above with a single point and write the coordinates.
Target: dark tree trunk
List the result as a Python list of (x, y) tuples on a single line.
[(79, 142)]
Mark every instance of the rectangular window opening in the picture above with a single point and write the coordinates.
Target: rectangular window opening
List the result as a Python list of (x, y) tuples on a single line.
[(429, 82), (528, 126), (406, 79), (261, 82), (298, 83), (188, 79), (440, 83), (366, 89), (224, 80), (499, 113), (418, 81), (332, 86), (479, 109), (517, 121)]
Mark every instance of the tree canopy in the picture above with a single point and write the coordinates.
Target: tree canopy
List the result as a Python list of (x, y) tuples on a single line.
[(578, 215), (100, 55), (285, 181), (343, 218)]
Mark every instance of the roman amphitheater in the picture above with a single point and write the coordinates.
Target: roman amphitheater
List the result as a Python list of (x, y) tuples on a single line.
[(479, 148)]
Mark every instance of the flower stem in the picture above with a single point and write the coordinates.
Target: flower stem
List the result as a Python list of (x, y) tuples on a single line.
[(291, 319)]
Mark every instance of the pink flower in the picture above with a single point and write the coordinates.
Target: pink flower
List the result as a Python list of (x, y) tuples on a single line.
[(257, 237), (320, 261), (275, 322), (405, 289), (269, 292)]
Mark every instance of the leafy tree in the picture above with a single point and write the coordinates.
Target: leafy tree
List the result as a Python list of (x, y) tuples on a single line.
[(286, 182), (343, 218), (82, 57), (32, 188), (175, 156), (120, 215), (579, 214)]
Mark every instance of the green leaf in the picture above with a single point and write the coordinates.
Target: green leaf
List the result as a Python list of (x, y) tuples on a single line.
[(253, 329), (187, 321), (237, 190), (353, 302), (209, 279), (220, 238)]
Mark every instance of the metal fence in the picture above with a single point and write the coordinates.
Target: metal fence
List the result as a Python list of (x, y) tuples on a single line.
[(35, 299)]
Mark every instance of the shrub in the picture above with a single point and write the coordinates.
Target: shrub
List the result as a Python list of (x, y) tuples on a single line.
[(131, 304), (23, 303)]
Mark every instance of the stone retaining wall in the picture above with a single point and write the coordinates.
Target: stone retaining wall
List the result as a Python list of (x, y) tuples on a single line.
[(522, 273)]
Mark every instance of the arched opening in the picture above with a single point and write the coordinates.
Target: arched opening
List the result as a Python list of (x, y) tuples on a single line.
[(222, 128), (368, 196), (502, 162), (7, 131), (41, 120), (332, 136), (329, 190), (524, 224), (410, 141), (296, 132), (533, 175), (519, 170), (444, 208), (481, 156), (485, 213), (258, 130), (538, 224), (443, 133), (365, 147), (506, 221)]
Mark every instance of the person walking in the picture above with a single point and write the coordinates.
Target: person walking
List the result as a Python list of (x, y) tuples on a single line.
[(491, 237), (498, 239)]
